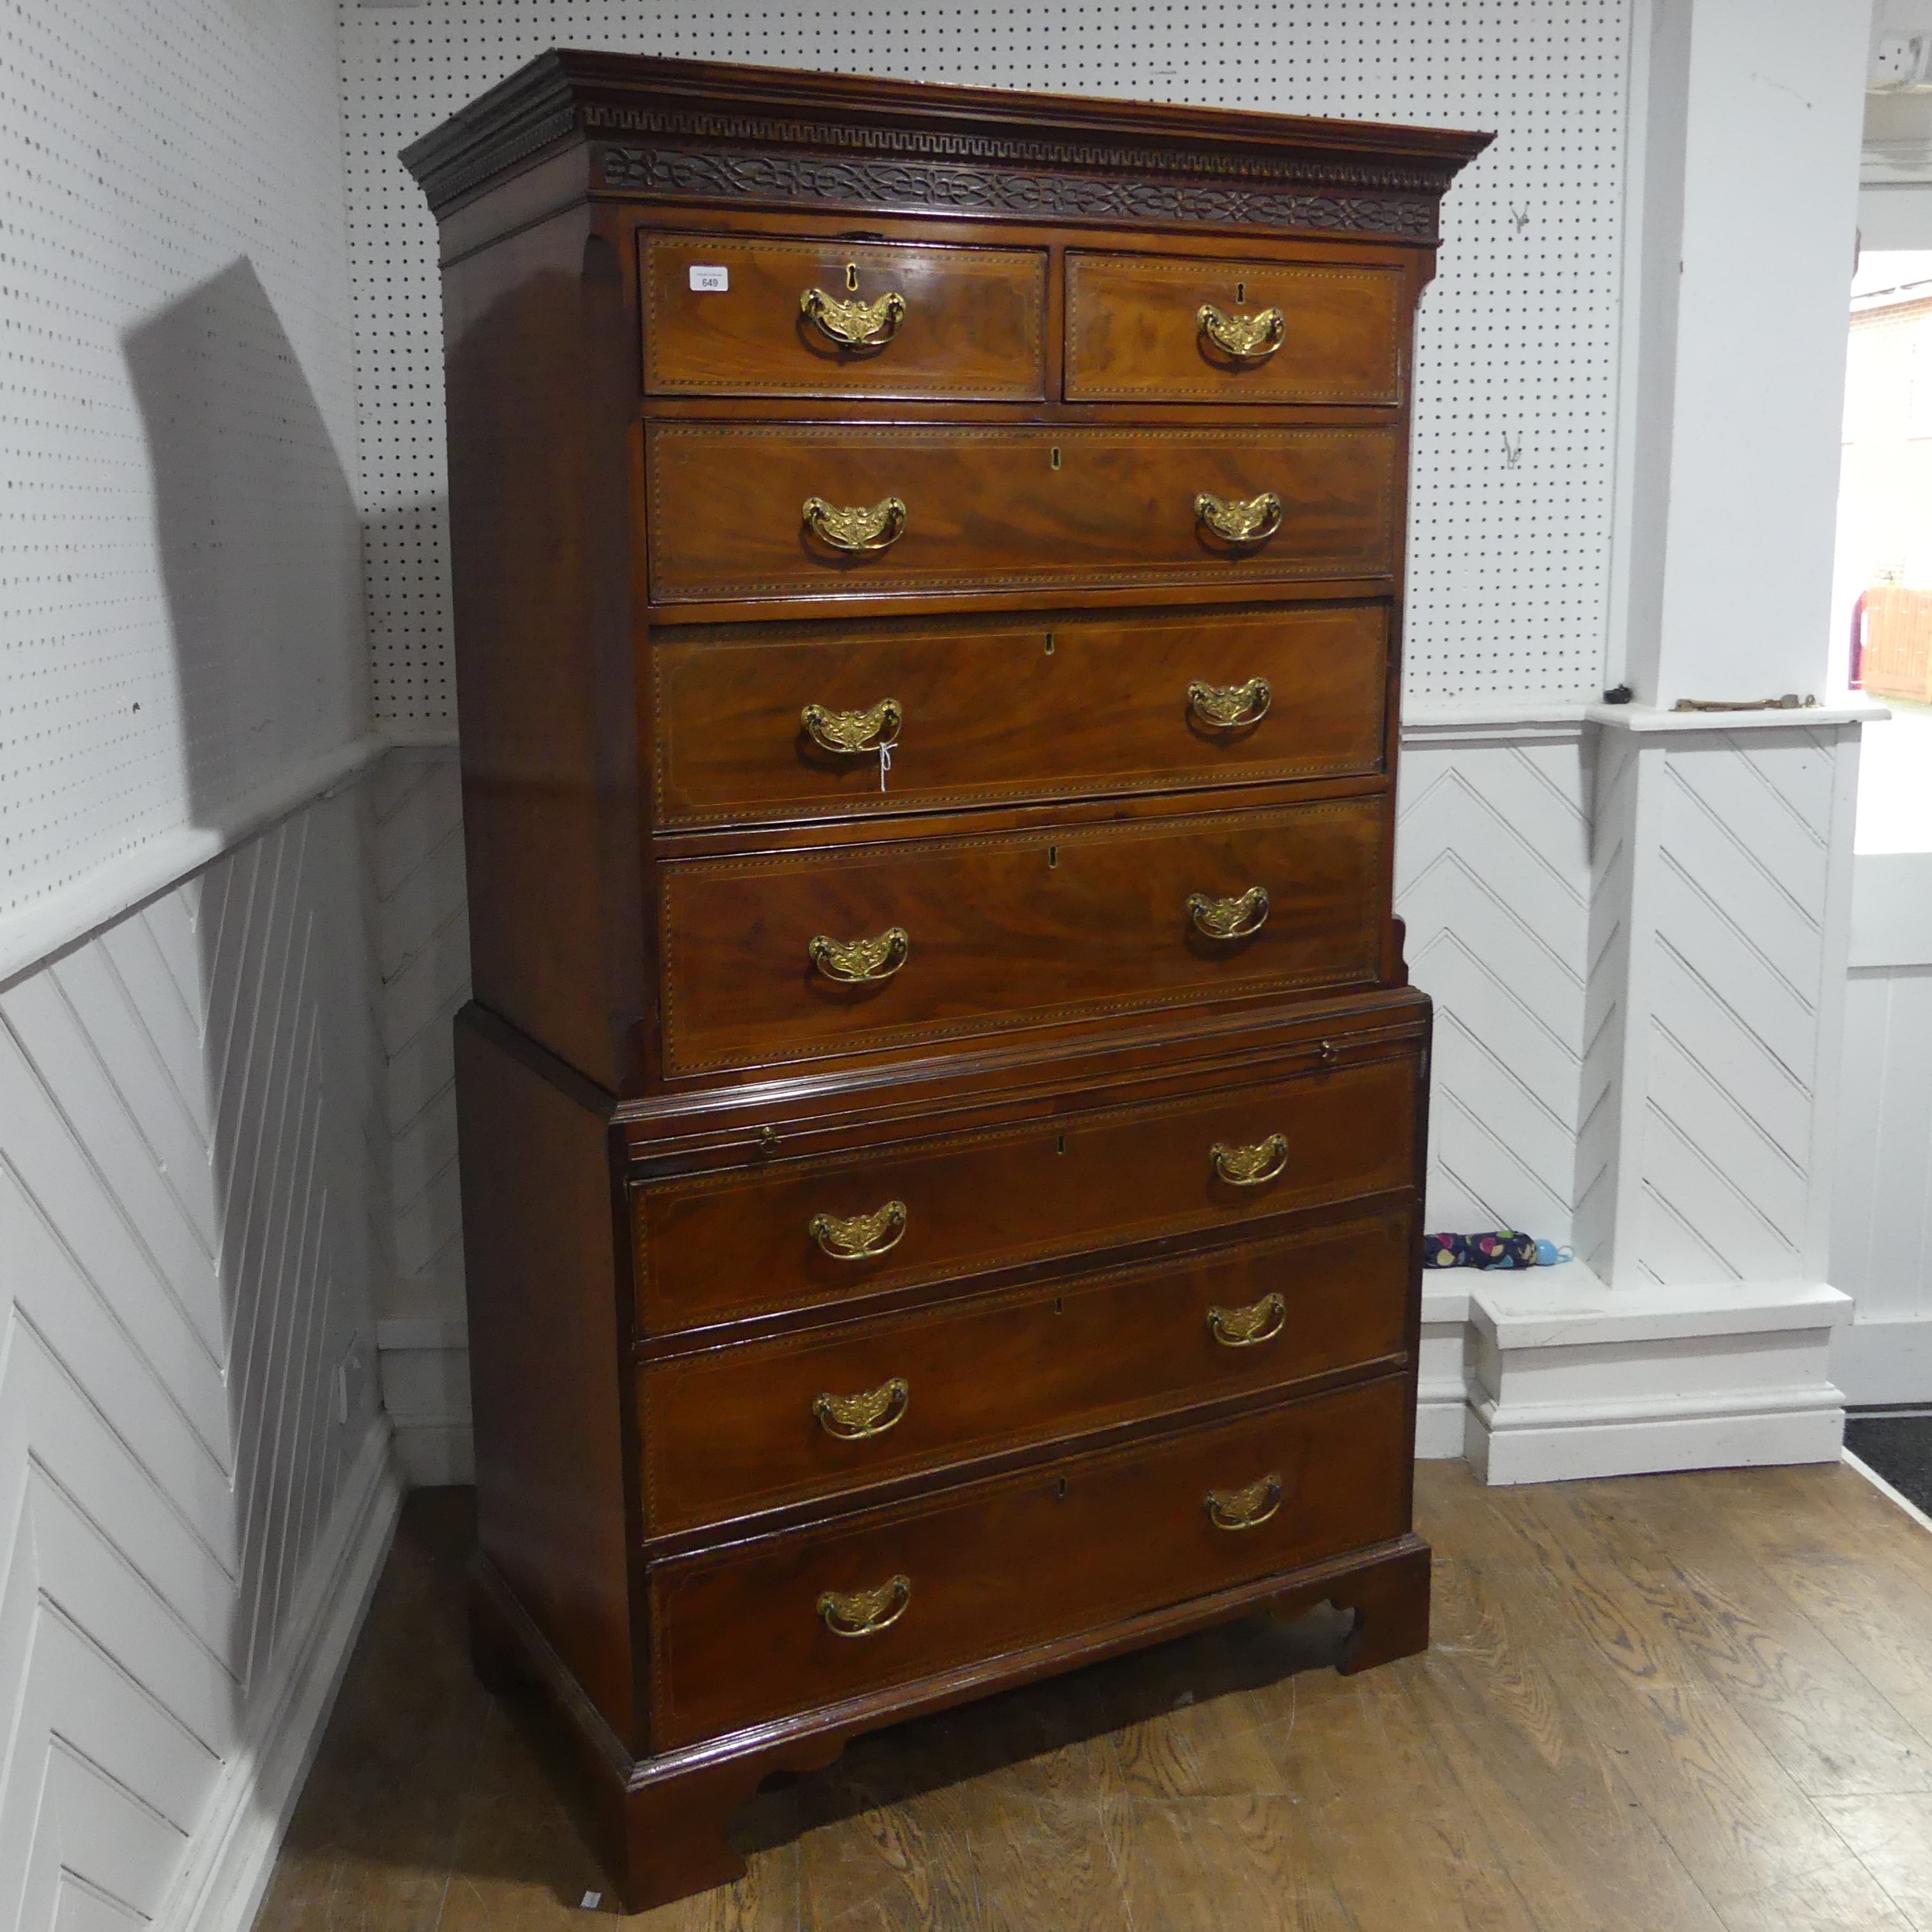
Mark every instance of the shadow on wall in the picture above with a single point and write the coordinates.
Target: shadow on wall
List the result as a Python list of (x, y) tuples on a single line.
[(260, 552)]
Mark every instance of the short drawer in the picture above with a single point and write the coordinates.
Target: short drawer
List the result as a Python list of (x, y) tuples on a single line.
[(745, 1428), (770, 315), (804, 1620), (796, 1234), (1162, 329), (793, 728), (749, 512), (799, 954)]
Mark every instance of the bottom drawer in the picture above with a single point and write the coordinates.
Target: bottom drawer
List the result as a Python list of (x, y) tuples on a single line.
[(808, 1618)]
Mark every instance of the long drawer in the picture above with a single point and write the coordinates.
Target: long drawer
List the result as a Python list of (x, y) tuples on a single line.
[(797, 1234), (749, 730), (781, 315), (786, 956), (807, 1619), (966, 507), (738, 1428)]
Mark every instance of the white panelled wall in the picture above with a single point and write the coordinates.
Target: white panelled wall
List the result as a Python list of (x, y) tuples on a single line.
[(196, 1485), (232, 917)]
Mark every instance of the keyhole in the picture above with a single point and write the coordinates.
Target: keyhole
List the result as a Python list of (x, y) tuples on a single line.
[(851, 277), (1059, 1306), (1053, 858), (1061, 1147), (1059, 1490), (1049, 644), (1056, 456), (1240, 290)]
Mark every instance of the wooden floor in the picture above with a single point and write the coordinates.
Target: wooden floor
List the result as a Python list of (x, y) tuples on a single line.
[(1699, 1702)]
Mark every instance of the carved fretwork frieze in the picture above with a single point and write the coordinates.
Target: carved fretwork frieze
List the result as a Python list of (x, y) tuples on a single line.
[(946, 144), (938, 186)]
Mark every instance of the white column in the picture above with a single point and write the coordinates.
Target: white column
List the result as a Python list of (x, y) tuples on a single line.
[(1743, 246), (1694, 1329)]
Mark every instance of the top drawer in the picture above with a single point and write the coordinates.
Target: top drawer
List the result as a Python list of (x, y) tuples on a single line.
[(758, 315), (1155, 328)]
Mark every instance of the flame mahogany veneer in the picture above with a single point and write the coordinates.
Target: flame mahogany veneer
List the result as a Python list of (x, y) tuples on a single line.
[(942, 1110)]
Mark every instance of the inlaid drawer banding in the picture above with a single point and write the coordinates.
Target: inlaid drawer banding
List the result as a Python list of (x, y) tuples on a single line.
[(987, 507), (744, 1427), (776, 958), (789, 722), (747, 1634), (728, 1245)]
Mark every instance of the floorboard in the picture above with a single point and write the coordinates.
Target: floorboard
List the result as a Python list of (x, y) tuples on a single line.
[(1685, 1703)]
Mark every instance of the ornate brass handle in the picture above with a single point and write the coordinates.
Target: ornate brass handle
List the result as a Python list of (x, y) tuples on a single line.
[(1250, 1166), (1244, 1508), (1236, 519), (864, 1613), (857, 325), (1240, 918), (1225, 705), (855, 528), (858, 1237), (859, 962), (1248, 339), (852, 732), (871, 1413), (1243, 1327)]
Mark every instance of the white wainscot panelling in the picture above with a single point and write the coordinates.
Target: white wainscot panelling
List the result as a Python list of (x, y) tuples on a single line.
[(1696, 1326), (1516, 363), (194, 1493), (1492, 877), (422, 928), (1736, 980), (1881, 1218)]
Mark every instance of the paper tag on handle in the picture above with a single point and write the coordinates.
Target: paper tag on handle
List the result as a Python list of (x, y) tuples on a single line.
[(710, 279), (885, 764)]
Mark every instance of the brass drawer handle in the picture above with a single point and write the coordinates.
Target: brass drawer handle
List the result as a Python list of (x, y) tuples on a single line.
[(864, 1613), (852, 732), (855, 325), (871, 1413), (1236, 519), (1240, 918), (1248, 339), (1225, 705), (1244, 1327), (859, 1237), (859, 962), (1244, 1508), (855, 528), (1250, 1166)]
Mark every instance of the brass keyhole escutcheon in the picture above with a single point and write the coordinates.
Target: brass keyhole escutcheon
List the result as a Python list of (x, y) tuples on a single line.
[(1052, 856), (1059, 1490), (1056, 456), (1060, 1147), (1240, 291), (851, 277), (1049, 644)]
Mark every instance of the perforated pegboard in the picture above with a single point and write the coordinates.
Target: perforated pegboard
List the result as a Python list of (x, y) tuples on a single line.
[(177, 539), (1511, 504)]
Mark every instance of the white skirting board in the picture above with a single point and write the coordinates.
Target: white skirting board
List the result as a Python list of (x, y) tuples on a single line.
[(1880, 1362), (1568, 1380), (222, 1881)]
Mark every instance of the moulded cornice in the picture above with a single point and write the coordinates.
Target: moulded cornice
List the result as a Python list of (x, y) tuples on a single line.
[(697, 129)]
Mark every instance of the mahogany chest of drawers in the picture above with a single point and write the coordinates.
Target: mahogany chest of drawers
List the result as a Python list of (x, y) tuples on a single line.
[(942, 1110)]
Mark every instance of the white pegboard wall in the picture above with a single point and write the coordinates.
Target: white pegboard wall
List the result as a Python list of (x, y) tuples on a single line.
[(178, 609), (1516, 407)]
